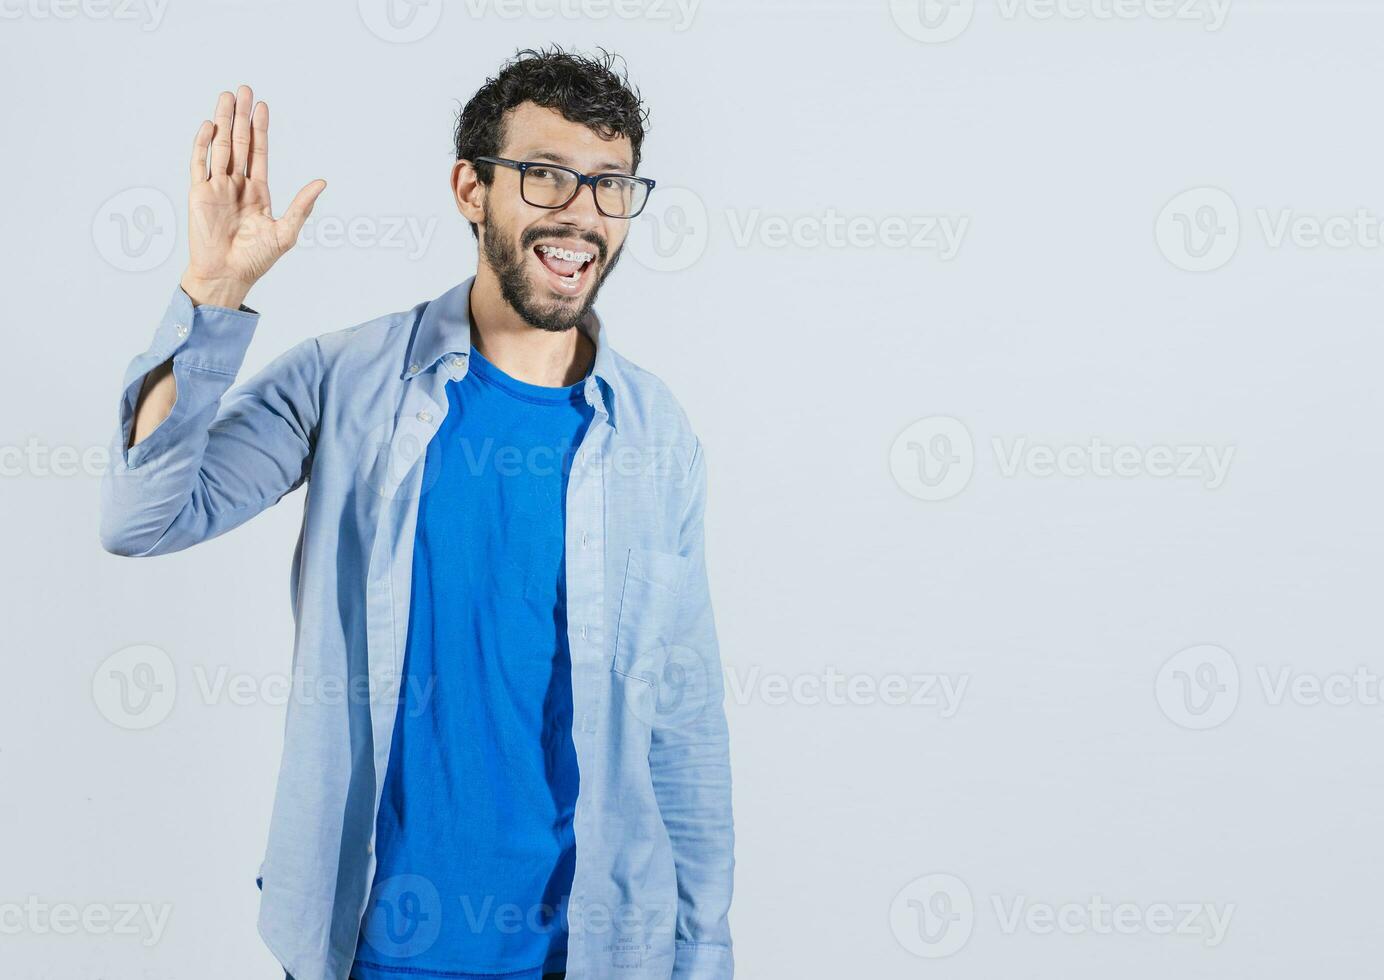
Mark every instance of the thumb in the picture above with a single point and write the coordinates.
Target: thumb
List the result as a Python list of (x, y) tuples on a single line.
[(291, 223)]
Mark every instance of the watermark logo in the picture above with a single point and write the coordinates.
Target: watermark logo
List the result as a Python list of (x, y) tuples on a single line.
[(404, 916), (135, 687), (676, 228), (933, 916), (389, 454), (400, 21), (672, 231), (1198, 688), (1199, 229), (933, 458), (1201, 687), (135, 230), (677, 685), (932, 21)]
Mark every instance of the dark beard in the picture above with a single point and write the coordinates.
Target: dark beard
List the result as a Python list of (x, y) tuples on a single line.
[(508, 264)]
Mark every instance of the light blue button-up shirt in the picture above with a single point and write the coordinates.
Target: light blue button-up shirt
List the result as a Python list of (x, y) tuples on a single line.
[(350, 414)]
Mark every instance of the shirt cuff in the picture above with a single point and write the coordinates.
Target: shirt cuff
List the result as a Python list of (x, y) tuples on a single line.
[(209, 338), (702, 961), (214, 338)]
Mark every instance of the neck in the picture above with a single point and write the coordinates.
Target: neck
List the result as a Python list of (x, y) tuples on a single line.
[(539, 357)]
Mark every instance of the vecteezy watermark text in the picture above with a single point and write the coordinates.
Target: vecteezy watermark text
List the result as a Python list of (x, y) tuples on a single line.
[(834, 687), (934, 916), (1199, 688), (934, 458), (39, 918)]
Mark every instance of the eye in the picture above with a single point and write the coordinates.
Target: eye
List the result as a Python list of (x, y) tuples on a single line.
[(542, 173)]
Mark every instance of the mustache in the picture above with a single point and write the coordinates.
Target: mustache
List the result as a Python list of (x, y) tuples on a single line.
[(531, 238)]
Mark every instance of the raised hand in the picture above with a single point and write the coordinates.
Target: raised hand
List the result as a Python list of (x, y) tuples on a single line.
[(233, 236)]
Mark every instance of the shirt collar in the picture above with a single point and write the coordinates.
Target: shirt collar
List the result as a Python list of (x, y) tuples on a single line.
[(444, 331)]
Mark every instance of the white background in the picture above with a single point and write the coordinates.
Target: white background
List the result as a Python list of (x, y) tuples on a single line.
[(1075, 767)]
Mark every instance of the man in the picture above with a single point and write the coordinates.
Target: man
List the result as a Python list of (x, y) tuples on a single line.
[(501, 564)]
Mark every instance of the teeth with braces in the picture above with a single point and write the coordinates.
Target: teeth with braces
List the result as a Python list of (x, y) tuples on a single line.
[(565, 254)]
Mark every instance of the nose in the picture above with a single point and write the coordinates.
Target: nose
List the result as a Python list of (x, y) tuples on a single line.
[(581, 212)]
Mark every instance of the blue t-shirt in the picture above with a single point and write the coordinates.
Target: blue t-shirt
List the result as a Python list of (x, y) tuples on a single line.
[(474, 837)]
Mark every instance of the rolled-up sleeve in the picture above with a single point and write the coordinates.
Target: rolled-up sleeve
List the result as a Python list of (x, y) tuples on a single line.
[(217, 459), (689, 759)]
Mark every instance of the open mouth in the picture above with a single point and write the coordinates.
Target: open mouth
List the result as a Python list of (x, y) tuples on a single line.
[(568, 267)]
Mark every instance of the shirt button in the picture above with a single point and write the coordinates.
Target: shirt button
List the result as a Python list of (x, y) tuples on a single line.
[(457, 362), (181, 329), (583, 539), (414, 368), (583, 631), (588, 722), (425, 416)]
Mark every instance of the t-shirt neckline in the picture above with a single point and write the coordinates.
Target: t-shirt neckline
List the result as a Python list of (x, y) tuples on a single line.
[(486, 371)]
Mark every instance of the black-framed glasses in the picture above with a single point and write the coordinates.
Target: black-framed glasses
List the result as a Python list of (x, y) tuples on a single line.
[(546, 185)]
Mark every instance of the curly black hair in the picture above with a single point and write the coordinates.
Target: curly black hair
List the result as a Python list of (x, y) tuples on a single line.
[(584, 89)]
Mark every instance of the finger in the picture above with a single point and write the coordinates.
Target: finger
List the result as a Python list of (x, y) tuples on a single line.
[(199, 151), (259, 144), (240, 130), (221, 141), (292, 221)]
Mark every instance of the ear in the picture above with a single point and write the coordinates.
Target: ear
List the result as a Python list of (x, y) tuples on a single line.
[(468, 191)]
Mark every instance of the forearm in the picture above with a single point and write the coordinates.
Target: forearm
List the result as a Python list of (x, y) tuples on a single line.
[(156, 400), (216, 458), (160, 389)]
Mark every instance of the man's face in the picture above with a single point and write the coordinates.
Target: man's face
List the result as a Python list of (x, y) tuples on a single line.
[(518, 240)]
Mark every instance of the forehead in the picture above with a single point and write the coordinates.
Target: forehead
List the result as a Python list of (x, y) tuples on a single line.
[(532, 132)]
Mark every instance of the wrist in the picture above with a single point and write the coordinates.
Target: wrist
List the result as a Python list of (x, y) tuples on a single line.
[(214, 292)]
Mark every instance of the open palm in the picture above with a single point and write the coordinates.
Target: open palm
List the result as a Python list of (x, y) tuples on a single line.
[(233, 236)]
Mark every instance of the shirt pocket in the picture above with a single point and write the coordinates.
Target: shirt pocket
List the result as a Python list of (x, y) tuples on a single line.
[(649, 602)]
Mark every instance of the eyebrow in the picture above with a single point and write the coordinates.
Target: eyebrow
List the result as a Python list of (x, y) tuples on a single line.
[(603, 167)]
